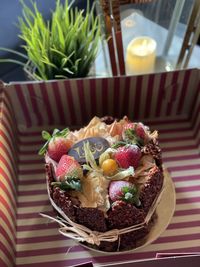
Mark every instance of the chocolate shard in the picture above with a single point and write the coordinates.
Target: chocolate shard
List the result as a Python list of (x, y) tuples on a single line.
[(97, 146)]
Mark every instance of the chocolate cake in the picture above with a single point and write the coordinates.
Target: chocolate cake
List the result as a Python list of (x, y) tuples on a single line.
[(105, 179)]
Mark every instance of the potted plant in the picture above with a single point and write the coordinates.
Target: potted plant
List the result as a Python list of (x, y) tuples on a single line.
[(63, 47)]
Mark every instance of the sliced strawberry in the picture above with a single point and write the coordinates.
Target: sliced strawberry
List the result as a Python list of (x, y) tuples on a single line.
[(124, 191), (57, 145), (128, 155)]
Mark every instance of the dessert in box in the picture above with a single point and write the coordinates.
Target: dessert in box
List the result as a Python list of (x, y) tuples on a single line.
[(105, 181)]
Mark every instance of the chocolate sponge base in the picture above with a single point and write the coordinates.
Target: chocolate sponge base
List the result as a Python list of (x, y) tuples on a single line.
[(121, 214)]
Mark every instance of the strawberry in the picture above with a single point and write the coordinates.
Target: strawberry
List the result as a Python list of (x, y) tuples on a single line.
[(125, 191), (68, 167), (57, 145), (134, 133), (128, 155)]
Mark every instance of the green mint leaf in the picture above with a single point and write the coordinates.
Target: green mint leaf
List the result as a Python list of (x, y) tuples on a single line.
[(75, 184), (70, 183), (130, 195), (64, 186), (128, 189)]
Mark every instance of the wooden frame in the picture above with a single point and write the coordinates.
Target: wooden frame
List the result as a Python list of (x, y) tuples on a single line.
[(191, 36), (111, 10)]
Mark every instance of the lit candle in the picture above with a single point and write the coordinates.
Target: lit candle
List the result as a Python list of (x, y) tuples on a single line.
[(140, 55)]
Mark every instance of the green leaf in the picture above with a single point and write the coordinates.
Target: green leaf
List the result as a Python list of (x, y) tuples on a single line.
[(55, 132), (131, 195), (70, 183), (132, 138), (75, 184), (46, 135), (12, 61), (68, 71), (132, 190), (14, 52), (119, 144), (64, 132), (61, 76), (43, 149)]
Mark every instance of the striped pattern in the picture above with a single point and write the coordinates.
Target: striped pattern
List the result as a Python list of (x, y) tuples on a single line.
[(38, 241), (74, 102), (195, 118), (165, 101), (8, 182)]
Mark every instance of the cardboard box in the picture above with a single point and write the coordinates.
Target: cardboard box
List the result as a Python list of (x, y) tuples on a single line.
[(169, 102)]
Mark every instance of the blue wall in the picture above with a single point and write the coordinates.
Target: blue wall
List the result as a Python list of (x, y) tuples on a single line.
[(10, 10)]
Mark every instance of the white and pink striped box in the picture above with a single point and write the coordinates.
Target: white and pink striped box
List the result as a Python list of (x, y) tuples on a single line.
[(169, 102)]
